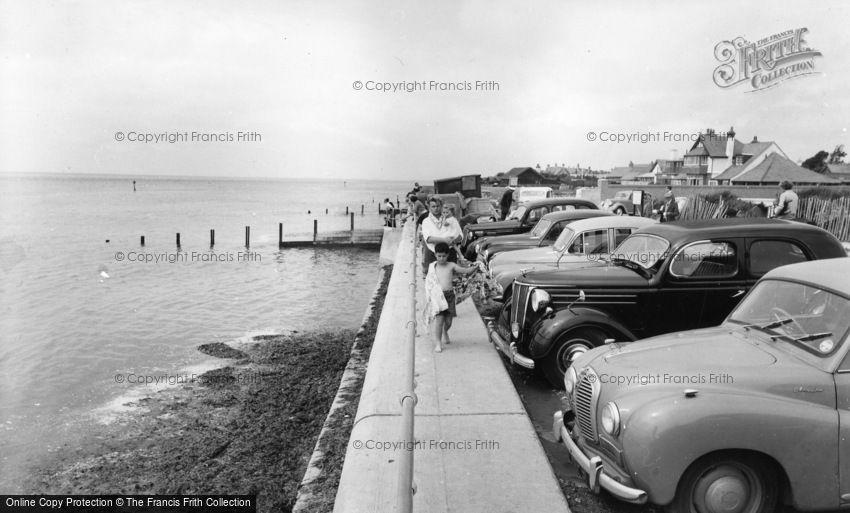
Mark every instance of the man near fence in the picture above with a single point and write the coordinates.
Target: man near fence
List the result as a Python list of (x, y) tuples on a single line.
[(786, 206)]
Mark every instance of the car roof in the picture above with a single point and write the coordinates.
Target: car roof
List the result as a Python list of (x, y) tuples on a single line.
[(832, 274), (560, 201), (734, 227), (580, 213), (611, 221)]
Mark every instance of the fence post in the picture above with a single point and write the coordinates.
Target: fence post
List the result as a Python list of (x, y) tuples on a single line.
[(280, 235), (178, 241), (212, 238), (315, 229), (247, 237), (143, 240)]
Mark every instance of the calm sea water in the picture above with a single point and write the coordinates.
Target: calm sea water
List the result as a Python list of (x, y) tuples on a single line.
[(76, 311)]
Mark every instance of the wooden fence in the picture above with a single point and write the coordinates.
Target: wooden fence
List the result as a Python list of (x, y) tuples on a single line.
[(833, 215)]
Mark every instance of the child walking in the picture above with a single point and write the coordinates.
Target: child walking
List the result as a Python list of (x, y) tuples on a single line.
[(440, 296)]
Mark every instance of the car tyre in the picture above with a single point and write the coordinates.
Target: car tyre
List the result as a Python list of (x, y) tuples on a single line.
[(620, 211), (566, 349), (729, 482)]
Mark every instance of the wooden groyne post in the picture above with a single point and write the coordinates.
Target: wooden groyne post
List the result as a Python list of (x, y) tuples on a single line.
[(143, 240), (315, 229), (212, 238), (247, 237), (178, 240), (280, 235)]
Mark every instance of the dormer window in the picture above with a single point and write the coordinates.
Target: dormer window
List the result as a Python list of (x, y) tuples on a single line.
[(739, 159)]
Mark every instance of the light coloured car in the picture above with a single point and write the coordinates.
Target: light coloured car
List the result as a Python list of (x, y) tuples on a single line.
[(741, 417), (581, 243)]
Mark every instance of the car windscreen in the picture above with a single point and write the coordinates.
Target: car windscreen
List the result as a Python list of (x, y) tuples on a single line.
[(563, 240), (643, 249), (541, 228), (518, 213), (810, 321)]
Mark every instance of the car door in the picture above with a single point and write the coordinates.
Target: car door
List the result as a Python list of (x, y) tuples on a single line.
[(842, 389), (702, 283)]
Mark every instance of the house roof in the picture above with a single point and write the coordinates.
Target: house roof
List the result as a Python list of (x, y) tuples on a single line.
[(520, 170), (841, 171), (730, 173), (774, 169), (715, 146)]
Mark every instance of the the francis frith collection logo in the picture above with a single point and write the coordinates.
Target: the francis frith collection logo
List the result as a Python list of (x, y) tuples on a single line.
[(765, 63)]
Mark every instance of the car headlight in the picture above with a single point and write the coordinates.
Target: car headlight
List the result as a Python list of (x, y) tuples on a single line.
[(570, 379), (610, 419), (539, 299)]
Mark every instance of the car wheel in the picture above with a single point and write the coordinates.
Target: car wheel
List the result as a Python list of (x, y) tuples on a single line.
[(727, 483), (566, 349), (620, 211)]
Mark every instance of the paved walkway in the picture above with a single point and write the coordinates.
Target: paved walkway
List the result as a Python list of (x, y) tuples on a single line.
[(476, 449)]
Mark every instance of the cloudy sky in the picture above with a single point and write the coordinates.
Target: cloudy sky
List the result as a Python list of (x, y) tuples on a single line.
[(85, 82)]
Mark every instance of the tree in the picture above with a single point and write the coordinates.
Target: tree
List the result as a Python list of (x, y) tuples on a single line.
[(837, 155), (817, 163)]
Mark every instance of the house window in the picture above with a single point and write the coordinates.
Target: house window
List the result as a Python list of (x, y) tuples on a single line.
[(739, 159), (713, 182)]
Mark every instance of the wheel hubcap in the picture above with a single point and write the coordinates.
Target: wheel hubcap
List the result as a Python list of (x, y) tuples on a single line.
[(726, 490), (571, 351)]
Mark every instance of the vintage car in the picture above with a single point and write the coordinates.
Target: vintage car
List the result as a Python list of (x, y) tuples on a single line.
[(520, 220), (663, 278), (582, 243), (742, 417), (544, 233), (624, 203)]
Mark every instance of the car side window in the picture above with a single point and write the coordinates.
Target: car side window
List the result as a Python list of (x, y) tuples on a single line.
[(705, 260), (620, 235), (591, 242), (769, 254)]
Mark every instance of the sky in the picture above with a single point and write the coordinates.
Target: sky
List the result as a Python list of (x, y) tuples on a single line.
[(293, 89)]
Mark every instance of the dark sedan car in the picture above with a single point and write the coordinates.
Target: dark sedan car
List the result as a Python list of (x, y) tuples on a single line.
[(663, 278), (520, 220), (544, 233)]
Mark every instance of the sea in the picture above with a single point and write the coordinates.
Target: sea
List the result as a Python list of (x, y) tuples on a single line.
[(87, 312)]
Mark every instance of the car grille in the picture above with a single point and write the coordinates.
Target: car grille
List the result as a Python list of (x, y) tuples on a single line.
[(519, 303), (585, 397)]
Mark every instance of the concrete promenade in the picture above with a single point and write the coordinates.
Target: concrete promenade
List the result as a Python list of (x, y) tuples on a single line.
[(475, 450)]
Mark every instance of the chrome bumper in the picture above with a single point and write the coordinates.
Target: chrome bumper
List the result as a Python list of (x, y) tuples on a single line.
[(509, 349), (596, 476)]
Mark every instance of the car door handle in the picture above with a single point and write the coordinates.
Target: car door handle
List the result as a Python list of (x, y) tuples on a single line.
[(739, 293)]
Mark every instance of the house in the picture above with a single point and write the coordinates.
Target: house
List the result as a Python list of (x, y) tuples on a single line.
[(524, 176), (772, 170), (840, 172), (632, 174), (713, 154)]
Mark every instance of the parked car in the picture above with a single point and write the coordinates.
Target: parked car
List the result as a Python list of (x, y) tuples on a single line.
[(520, 220), (624, 203), (526, 194), (544, 233), (740, 417), (663, 278), (581, 244)]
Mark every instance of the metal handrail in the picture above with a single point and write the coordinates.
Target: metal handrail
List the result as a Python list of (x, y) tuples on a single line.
[(406, 487)]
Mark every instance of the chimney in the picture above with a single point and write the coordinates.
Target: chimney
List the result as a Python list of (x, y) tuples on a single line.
[(755, 139), (730, 145)]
